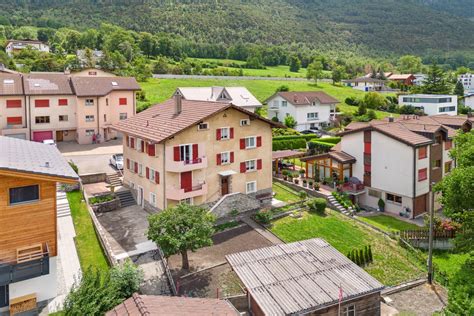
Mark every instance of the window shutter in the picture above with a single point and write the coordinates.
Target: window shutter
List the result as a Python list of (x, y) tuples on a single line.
[(136, 167), (176, 153), (147, 173), (151, 150), (259, 164), (123, 101), (259, 141), (142, 146), (13, 103), (42, 103), (231, 157), (242, 143), (231, 133), (218, 134), (242, 167), (157, 177), (128, 164), (62, 102), (195, 151), (218, 159), (132, 142), (127, 141), (14, 120)]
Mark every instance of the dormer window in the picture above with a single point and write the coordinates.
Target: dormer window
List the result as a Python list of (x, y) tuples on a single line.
[(36, 85)]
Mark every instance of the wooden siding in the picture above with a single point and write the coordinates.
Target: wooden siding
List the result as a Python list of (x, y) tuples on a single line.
[(27, 224), (420, 205)]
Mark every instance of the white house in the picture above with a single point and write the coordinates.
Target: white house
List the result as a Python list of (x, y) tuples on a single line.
[(469, 100), (311, 109), (467, 81), (365, 84), (13, 46), (431, 104), (419, 79), (239, 96)]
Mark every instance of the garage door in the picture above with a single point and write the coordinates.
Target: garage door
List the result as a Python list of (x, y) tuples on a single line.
[(20, 136), (40, 136)]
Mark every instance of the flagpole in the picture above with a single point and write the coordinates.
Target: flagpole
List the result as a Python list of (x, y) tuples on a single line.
[(340, 300)]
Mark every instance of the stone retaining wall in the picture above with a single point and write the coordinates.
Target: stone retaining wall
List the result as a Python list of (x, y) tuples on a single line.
[(93, 178), (106, 206)]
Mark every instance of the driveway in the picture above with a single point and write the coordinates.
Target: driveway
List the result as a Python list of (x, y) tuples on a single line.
[(91, 164)]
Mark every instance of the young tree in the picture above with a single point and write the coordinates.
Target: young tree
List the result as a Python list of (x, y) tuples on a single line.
[(459, 89), (290, 121), (409, 64), (362, 110), (295, 63), (435, 82), (181, 228), (315, 70), (373, 75), (337, 74), (126, 278), (381, 75)]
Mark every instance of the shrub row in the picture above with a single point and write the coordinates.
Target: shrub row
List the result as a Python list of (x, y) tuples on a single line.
[(288, 137), (288, 144), (319, 146), (361, 257)]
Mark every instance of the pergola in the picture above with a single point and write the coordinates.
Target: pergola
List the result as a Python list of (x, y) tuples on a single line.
[(333, 163), (285, 154)]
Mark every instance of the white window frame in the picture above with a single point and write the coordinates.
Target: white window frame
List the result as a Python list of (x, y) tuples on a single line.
[(247, 191), (89, 102), (90, 118), (247, 141), (189, 201), (201, 126), (90, 132), (140, 170), (153, 199), (227, 129), (349, 310), (284, 103), (245, 122), (225, 161), (251, 163), (182, 154), (312, 116), (151, 175), (394, 202), (138, 144)]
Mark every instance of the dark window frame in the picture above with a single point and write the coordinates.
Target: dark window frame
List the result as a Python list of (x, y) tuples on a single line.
[(36, 194)]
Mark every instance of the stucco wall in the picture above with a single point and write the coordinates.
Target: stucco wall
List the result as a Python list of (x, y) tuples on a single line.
[(353, 144), (53, 111)]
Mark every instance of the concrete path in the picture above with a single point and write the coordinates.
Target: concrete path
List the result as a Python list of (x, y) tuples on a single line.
[(106, 148), (262, 231)]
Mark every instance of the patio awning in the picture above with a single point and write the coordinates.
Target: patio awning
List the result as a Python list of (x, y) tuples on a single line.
[(286, 154), (338, 156), (227, 173)]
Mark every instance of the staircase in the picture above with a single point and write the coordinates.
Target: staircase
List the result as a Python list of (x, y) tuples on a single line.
[(113, 179), (62, 206), (332, 200), (126, 198)]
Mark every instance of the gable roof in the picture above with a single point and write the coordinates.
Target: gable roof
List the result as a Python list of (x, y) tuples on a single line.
[(401, 76), (305, 97), (160, 121), (365, 79), (100, 86), (23, 156), (144, 305), (239, 96), (46, 84), (11, 84), (300, 277)]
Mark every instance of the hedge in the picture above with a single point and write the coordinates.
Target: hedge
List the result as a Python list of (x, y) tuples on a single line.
[(290, 137), (288, 144), (320, 146), (332, 140)]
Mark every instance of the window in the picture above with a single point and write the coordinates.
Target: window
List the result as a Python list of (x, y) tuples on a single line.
[(89, 132), (225, 157), (63, 102), (284, 103), (245, 122), (42, 119), (444, 109), (105, 117), (63, 118), (374, 193), (251, 187), (448, 166), (122, 101), (422, 152), (152, 174), (140, 170), (437, 163), (225, 133), (349, 310), (188, 201), (139, 144), (13, 103), (185, 152), (153, 199), (394, 198), (312, 116), (24, 194), (448, 145), (422, 174), (250, 165), (123, 116), (250, 142), (14, 120), (41, 103), (89, 102), (203, 126), (106, 101), (89, 118)]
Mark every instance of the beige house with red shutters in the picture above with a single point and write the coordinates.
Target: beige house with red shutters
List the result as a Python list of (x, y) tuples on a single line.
[(65, 107), (198, 152)]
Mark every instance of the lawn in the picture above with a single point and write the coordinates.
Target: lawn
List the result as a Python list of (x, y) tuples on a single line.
[(88, 246), (158, 90), (449, 262), (388, 224), (392, 263), (284, 193)]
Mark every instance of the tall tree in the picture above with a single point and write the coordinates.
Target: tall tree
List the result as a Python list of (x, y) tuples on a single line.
[(459, 89), (315, 70), (337, 74), (409, 64), (295, 63), (180, 229), (435, 82)]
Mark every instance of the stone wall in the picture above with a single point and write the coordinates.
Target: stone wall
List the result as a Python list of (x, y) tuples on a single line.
[(93, 178), (106, 206)]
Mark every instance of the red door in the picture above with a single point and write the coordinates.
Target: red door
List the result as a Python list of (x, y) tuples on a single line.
[(187, 181), (40, 136)]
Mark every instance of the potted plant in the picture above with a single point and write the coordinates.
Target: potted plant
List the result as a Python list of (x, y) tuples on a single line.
[(305, 183), (296, 180), (316, 186), (285, 174), (381, 205), (310, 184), (302, 172)]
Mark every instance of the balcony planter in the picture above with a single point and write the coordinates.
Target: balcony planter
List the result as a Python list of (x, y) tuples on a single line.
[(310, 184), (296, 180), (302, 172), (316, 186), (305, 184)]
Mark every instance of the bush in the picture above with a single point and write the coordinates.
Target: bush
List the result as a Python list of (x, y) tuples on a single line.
[(381, 204), (264, 216), (126, 278), (307, 137), (317, 205), (100, 199), (74, 166), (288, 144)]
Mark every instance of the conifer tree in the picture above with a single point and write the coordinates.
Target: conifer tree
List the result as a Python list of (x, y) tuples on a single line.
[(371, 259), (435, 82), (459, 89)]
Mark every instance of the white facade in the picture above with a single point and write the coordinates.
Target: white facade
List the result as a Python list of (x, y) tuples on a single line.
[(15, 45), (419, 79), (431, 104), (308, 117), (469, 101), (467, 81)]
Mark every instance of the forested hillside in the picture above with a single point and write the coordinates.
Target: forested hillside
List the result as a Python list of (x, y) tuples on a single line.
[(385, 27)]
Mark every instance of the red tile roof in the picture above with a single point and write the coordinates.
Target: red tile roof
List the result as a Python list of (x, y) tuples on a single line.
[(141, 305), (306, 97)]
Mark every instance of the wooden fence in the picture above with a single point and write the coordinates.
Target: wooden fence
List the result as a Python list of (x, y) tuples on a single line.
[(425, 233)]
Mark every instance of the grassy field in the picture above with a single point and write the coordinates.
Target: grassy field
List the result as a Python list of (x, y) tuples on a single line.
[(392, 263), (388, 223), (88, 246), (448, 262), (284, 193), (158, 90)]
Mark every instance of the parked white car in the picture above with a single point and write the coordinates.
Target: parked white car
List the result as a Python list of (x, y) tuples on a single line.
[(49, 142), (117, 161)]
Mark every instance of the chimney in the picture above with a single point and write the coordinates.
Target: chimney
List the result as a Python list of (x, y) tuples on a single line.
[(391, 119), (178, 104)]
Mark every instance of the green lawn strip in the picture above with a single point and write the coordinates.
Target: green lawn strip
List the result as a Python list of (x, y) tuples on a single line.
[(158, 90), (388, 223), (448, 262), (87, 243), (392, 263), (284, 193)]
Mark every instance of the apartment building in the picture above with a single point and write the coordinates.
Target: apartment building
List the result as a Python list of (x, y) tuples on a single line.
[(196, 152), (312, 110), (29, 173), (14, 46), (431, 104), (65, 107), (395, 160), (467, 81)]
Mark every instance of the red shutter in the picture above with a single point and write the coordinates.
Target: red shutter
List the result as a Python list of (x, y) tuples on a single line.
[(259, 164), (218, 134), (136, 167), (367, 148), (128, 164), (123, 101), (132, 142), (231, 157), (176, 153), (242, 167), (218, 159), (127, 140), (195, 151), (14, 120), (157, 177), (62, 102), (142, 146), (42, 103), (151, 150), (259, 141), (13, 103), (147, 173), (242, 143), (231, 133)]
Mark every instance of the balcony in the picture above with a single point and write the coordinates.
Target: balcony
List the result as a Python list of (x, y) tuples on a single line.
[(177, 194), (185, 165), (22, 270), (353, 188)]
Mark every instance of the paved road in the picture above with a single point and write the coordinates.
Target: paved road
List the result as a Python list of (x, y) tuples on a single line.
[(88, 164), (168, 76)]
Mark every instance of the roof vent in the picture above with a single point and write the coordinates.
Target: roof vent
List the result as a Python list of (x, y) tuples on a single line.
[(46, 164), (8, 81), (114, 83)]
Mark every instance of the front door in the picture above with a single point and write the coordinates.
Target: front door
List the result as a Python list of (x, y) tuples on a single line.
[(224, 185), (187, 181), (59, 136)]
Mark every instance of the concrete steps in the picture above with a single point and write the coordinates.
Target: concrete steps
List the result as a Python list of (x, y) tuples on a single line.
[(62, 205), (113, 179), (339, 207), (126, 198)]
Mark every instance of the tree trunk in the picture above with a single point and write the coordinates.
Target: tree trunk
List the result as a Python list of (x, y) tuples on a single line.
[(184, 257)]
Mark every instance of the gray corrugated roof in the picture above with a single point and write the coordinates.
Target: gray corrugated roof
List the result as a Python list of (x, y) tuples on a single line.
[(300, 277), (24, 156)]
